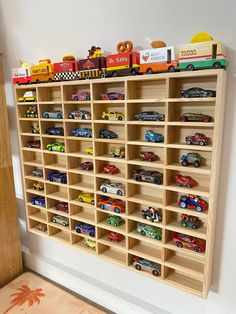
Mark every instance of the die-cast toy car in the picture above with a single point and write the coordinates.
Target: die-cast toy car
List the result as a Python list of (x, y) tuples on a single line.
[(115, 236), (107, 134), (57, 147), (86, 198), (90, 244), (31, 112), (151, 136), (87, 165), (186, 181), (80, 115), (39, 186), (115, 220), (80, 96), (85, 228), (57, 176), (152, 214), (28, 96), (38, 200), (111, 204), (62, 206), (189, 242), (111, 169), (113, 187), (56, 114), (118, 151), (150, 116), (196, 92), (37, 173), (147, 156), (55, 131), (149, 231), (191, 158), (89, 150), (190, 221), (113, 115), (146, 265), (82, 132), (196, 139), (34, 144), (61, 220), (192, 202), (194, 117), (148, 176), (112, 96), (41, 227)]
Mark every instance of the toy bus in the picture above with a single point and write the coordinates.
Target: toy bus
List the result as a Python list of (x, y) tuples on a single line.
[(42, 72)]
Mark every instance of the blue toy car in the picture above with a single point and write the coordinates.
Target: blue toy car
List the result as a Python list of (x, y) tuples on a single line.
[(38, 200), (53, 114), (82, 132), (55, 131), (151, 136), (84, 228), (191, 158), (107, 134), (57, 176)]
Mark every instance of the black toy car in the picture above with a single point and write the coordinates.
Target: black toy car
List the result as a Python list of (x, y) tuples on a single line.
[(148, 176), (150, 116)]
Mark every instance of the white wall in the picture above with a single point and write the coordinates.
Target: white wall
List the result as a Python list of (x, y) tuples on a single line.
[(32, 30)]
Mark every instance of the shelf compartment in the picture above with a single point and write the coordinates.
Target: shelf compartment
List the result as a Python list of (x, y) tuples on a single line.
[(78, 148), (76, 125), (145, 194), (104, 150), (25, 141), (49, 93), (74, 165), (34, 226), (45, 125), (117, 176), (59, 235), (55, 161), (144, 249), (48, 107), (136, 133), (37, 214), (102, 88), (80, 243), (76, 106), (49, 140), (102, 238), (138, 107), (32, 158), (100, 181), (147, 89), (81, 213), (183, 281), (187, 265), (78, 181), (112, 254), (133, 155), (148, 167), (68, 90), (28, 171), (29, 185), (57, 191), (73, 197), (102, 222), (107, 106), (58, 225), (21, 91), (51, 206), (26, 127), (83, 234), (135, 212), (22, 111), (118, 129)]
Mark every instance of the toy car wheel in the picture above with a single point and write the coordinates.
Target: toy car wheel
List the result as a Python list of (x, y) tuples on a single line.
[(64, 224), (206, 119), (86, 77), (75, 98), (138, 178), (182, 204), (46, 115), (115, 224), (183, 119), (102, 206), (114, 74), (109, 222), (157, 181), (119, 192), (196, 163), (62, 150), (171, 68), (184, 163), (142, 158), (81, 199), (106, 117), (194, 226), (104, 190), (155, 273), (186, 95), (29, 145), (33, 202), (184, 224), (198, 208), (59, 116), (179, 244), (190, 67), (188, 185), (217, 65), (197, 249), (158, 237), (116, 210), (91, 234), (189, 142), (78, 230), (149, 71), (120, 118), (54, 220), (50, 148), (143, 233), (138, 267), (92, 202)]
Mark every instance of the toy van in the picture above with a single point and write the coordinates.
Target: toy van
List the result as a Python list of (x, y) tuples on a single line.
[(42, 72), (21, 75)]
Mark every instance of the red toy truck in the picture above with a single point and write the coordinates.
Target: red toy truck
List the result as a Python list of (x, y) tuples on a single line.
[(66, 70)]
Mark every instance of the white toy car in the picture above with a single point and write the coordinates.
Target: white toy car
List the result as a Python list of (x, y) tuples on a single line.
[(113, 187)]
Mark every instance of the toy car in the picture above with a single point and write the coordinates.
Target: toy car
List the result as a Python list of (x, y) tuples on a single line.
[(113, 116), (114, 205), (191, 158), (197, 139), (147, 156), (192, 202), (88, 165), (186, 181), (84, 228), (189, 242), (194, 117), (149, 231), (118, 151), (35, 129), (55, 131), (111, 169), (151, 136), (152, 214), (89, 150), (81, 96), (62, 206), (41, 227), (37, 173), (57, 114), (107, 134), (58, 219), (150, 116), (39, 186), (190, 221), (57, 176), (34, 144), (113, 187), (112, 96), (80, 115), (148, 176), (115, 236), (196, 92), (82, 132), (86, 198), (115, 220), (31, 112), (28, 96), (38, 200), (144, 264), (90, 243), (57, 147)]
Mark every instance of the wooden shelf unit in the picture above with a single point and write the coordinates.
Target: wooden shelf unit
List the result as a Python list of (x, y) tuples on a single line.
[(180, 267)]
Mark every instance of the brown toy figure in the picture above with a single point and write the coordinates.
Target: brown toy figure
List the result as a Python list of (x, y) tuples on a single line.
[(94, 52)]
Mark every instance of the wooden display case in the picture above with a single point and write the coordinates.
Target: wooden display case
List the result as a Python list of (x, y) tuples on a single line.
[(180, 267)]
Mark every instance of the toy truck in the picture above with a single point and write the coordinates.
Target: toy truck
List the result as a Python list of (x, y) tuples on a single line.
[(42, 72), (92, 68), (158, 60), (21, 75), (66, 70)]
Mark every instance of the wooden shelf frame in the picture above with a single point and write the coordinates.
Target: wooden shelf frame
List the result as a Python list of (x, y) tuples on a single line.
[(182, 268)]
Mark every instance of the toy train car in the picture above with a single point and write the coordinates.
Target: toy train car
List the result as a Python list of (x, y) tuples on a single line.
[(193, 56)]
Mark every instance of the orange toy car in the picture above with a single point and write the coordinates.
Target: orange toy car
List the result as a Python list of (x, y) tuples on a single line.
[(111, 204)]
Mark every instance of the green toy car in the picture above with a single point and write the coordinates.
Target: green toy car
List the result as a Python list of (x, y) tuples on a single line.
[(115, 220), (56, 147), (149, 231)]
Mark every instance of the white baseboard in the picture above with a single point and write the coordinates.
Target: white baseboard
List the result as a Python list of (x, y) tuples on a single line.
[(90, 288)]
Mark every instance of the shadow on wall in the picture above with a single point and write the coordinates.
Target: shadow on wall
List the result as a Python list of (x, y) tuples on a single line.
[(226, 162)]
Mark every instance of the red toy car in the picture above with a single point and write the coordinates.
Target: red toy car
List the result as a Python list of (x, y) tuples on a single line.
[(147, 156), (111, 169), (186, 181), (189, 242), (34, 144), (62, 206), (88, 165), (197, 139), (115, 236)]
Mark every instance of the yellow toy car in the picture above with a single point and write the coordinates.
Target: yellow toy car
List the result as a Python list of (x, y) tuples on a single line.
[(89, 150), (28, 96), (86, 198), (90, 243), (38, 186), (117, 151), (113, 115)]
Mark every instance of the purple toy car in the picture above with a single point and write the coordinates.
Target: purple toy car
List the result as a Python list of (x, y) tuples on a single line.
[(81, 96), (112, 96), (84, 228), (38, 200), (57, 176)]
